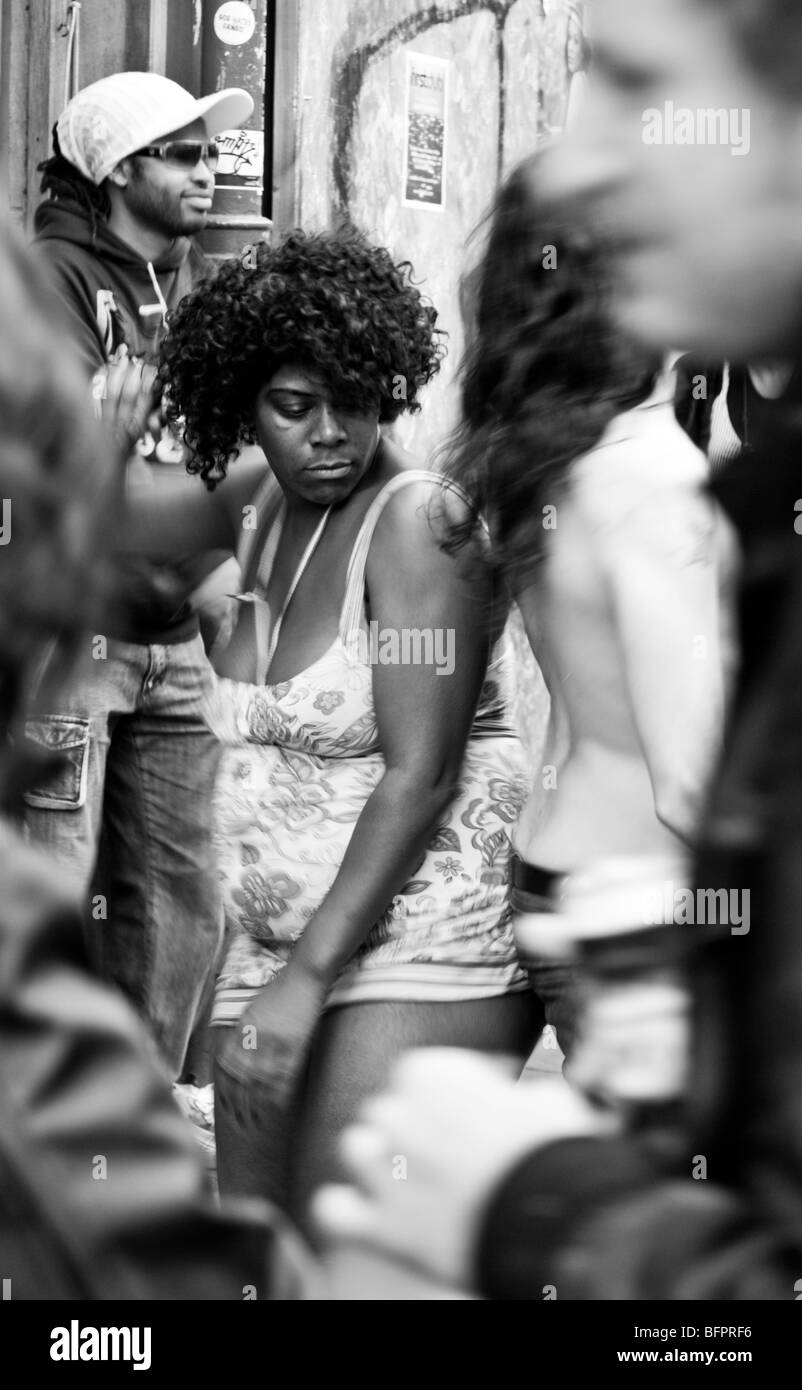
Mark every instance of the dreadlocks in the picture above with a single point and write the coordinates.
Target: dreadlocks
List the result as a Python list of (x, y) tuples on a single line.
[(63, 181)]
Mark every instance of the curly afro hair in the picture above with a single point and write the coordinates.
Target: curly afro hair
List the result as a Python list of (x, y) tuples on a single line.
[(330, 301), (545, 371)]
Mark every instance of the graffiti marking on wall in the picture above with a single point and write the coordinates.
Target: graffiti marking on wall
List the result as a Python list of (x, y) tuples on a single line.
[(241, 153)]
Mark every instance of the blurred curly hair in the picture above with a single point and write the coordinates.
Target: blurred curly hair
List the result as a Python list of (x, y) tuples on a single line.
[(330, 301), (545, 371)]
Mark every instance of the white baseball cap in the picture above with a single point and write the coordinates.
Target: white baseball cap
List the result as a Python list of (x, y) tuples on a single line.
[(129, 110)]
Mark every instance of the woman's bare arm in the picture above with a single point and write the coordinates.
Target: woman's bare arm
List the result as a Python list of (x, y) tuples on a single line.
[(169, 514), (424, 720), (172, 515)]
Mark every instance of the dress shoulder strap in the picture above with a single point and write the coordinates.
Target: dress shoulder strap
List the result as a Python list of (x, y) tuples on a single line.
[(266, 503), (255, 554), (353, 603)]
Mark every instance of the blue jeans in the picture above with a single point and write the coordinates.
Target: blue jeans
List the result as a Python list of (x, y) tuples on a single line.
[(131, 807)]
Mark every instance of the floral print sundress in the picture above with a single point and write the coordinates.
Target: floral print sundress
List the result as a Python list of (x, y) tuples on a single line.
[(300, 761)]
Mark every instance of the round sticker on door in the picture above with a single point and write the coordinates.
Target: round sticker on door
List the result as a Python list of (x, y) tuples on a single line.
[(234, 22)]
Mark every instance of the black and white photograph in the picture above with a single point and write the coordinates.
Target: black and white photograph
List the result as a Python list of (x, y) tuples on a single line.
[(400, 669)]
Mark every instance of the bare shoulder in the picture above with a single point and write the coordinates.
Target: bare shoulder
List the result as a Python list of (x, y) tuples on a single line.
[(430, 495), (653, 464)]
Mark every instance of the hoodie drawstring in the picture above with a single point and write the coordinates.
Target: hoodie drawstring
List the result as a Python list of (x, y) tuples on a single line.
[(161, 306)]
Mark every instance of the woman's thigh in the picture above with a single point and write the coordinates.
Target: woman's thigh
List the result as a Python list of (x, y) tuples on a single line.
[(355, 1050)]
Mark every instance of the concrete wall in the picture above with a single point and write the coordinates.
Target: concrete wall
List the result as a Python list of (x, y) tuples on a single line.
[(507, 87)]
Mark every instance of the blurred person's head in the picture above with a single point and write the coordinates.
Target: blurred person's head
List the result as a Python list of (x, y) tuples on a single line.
[(545, 371), (137, 150), (577, 49), (305, 347), (707, 231), (57, 489)]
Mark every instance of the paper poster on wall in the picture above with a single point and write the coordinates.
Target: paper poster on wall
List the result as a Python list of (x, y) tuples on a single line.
[(425, 132)]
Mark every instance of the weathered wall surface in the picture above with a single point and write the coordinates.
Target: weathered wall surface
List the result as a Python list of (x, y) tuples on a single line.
[(507, 86), (35, 51)]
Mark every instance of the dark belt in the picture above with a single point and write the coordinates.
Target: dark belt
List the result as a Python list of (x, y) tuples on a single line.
[(531, 879), (638, 949)]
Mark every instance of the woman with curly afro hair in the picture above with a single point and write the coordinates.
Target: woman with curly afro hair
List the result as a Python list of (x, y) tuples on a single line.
[(370, 774)]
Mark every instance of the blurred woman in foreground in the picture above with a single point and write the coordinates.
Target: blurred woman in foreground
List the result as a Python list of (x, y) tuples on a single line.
[(601, 530)]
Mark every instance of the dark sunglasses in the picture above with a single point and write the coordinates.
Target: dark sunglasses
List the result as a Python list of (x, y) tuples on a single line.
[(185, 154)]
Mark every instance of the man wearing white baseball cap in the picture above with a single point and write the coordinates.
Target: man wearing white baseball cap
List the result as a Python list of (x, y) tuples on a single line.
[(118, 115), (131, 177), (130, 182)]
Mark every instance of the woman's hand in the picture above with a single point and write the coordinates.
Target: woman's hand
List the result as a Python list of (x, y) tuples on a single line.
[(263, 1058)]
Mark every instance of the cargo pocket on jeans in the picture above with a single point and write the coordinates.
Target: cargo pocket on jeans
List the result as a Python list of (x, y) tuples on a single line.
[(64, 740)]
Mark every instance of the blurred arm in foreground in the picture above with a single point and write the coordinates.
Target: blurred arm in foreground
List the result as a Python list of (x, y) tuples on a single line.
[(102, 1189)]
